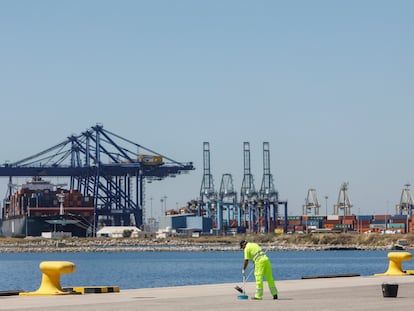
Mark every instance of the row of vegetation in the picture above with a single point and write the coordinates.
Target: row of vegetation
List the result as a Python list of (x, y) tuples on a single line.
[(343, 239), (320, 239)]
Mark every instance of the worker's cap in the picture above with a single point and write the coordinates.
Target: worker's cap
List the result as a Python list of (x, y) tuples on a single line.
[(243, 243)]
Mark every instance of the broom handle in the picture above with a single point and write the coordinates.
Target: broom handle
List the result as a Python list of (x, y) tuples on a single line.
[(246, 278)]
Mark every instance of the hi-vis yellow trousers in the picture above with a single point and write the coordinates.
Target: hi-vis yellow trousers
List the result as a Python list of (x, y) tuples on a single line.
[(263, 268)]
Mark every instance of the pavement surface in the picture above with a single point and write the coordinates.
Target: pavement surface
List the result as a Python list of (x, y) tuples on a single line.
[(339, 293)]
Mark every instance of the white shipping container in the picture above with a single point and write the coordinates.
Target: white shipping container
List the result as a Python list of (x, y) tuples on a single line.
[(332, 217)]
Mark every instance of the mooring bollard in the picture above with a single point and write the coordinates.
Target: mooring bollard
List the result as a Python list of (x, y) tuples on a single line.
[(51, 271), (395, 263)]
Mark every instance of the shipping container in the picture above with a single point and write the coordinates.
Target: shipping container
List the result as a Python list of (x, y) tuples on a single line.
[(315, 217), (378, 226), (400, 217), (328, 226), (398, 221), (364, 217), (332, 217), (394, 226), (379, 221), (342, 226), (173, 222), (382, 217), (311, 223), (203, 224), (350, 217), (293, 222)]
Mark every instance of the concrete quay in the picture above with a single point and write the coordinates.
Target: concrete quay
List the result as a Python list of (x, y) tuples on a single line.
[(340, 293)]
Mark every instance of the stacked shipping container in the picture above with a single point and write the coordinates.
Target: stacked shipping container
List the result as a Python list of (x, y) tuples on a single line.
[(358, 223)]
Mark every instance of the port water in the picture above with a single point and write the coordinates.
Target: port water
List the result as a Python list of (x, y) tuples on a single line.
[(130, 270)]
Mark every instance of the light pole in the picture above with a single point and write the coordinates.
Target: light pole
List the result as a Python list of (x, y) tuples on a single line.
[(165, 203), (151, 198), (306, 215), (385, 220)]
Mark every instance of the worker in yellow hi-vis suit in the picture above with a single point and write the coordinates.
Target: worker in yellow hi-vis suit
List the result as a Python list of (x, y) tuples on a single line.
[(262, 268)]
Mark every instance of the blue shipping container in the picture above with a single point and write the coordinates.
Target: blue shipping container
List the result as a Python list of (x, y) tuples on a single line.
[(178, 222), (204, 224), (364, 217)]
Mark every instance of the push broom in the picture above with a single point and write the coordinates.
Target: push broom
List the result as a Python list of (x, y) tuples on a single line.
[(242, 291)]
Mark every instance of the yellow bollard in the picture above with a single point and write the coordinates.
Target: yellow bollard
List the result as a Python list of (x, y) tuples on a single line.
[(395, 264), (51, 271)]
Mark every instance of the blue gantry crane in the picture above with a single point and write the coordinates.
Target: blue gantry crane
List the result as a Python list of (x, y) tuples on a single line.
[(248, 193), (105, 165), (208, 196), (256, 211), (268, 196), (227, 203)]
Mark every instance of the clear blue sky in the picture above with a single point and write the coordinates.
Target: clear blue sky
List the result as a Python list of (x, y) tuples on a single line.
[(329, 84)]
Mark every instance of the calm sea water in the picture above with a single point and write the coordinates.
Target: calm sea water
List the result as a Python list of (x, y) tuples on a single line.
[(130, 270)]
